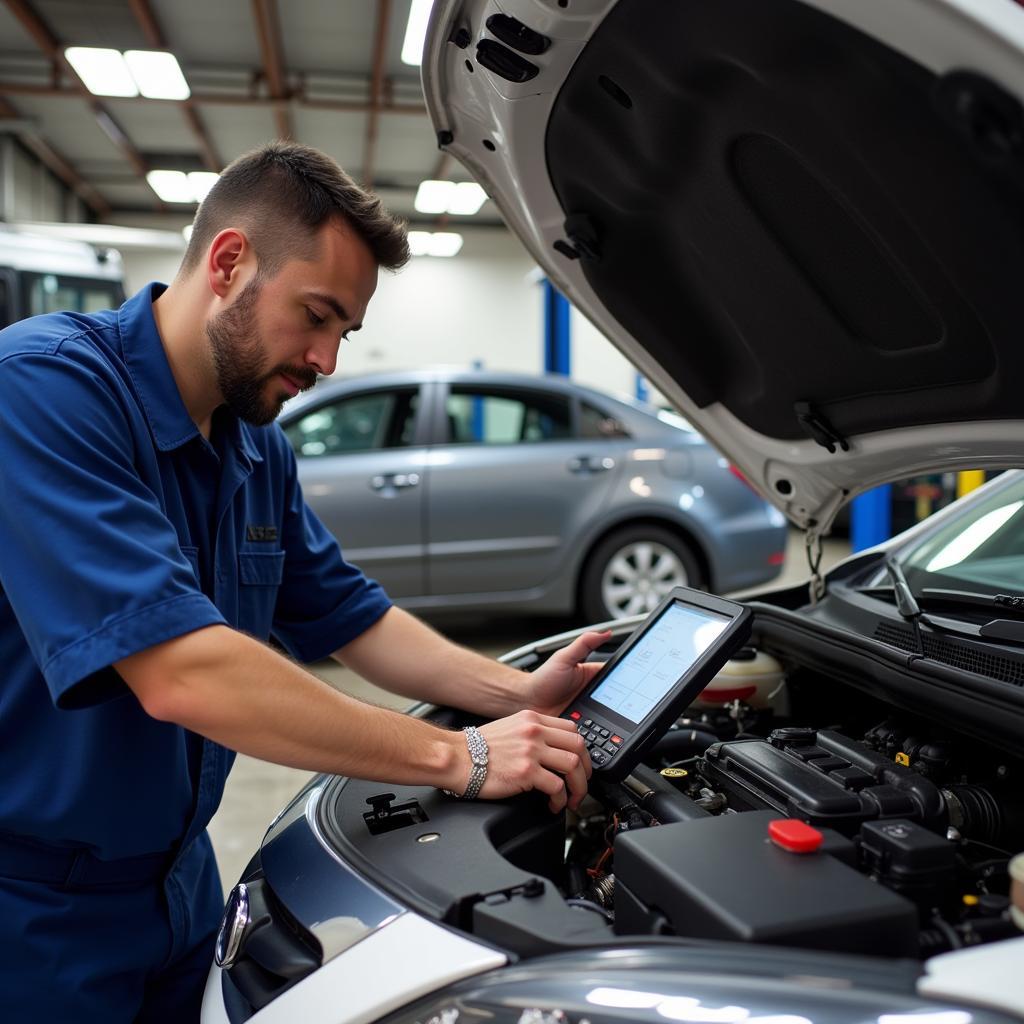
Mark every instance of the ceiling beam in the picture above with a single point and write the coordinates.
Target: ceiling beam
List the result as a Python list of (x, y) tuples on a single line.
[(380, 39), (51, 47), (268, 31), (147, 20), (223, 99), (57, 164)]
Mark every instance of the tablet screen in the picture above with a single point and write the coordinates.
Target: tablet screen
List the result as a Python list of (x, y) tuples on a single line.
[(666, 652)]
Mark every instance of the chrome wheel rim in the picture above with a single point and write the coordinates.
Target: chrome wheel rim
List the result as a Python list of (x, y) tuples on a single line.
[(638, 576)]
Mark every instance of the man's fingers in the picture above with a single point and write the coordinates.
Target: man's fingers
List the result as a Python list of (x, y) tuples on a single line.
[(582, 647), (554, 786)]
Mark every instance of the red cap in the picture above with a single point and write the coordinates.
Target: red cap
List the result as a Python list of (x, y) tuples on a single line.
[(794, 835)]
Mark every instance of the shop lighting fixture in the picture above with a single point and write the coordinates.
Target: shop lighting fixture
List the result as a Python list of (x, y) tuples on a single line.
[(202, 182), (104, 72), (464, 198), (467, 198), (416, 32), (434, 243), (179, 187), (155, 74)]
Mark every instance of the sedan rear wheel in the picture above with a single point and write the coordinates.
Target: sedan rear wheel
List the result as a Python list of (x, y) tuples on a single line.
[(633, 569)]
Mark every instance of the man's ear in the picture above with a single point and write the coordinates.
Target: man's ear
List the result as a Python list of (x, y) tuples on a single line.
[(226, 260)]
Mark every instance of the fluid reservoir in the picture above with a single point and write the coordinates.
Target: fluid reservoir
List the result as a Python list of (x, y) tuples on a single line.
[(753, 677)]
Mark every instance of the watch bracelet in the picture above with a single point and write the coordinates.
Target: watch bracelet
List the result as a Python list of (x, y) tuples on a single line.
[(478, 755)]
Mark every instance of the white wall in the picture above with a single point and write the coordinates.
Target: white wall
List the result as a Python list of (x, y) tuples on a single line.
[(477, 306), (28, 191)]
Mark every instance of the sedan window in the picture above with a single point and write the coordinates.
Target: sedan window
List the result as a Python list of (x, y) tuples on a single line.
[(478, 417), (596, 424), (365, 422)]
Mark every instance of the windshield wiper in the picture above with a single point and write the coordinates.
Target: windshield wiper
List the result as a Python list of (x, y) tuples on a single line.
[(1006, 604), (1006, 630), (906, 603)]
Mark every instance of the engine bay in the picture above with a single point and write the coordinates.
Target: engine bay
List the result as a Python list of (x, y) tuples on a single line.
[(784, 807)]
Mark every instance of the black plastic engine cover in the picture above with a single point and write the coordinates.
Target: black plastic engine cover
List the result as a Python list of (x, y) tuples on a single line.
[(721, 878), (823, 778)]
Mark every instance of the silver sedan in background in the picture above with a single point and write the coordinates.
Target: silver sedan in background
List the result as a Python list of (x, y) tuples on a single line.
[(481, 491)]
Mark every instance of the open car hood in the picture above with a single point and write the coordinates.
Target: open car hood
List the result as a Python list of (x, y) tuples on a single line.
[(803, 221)]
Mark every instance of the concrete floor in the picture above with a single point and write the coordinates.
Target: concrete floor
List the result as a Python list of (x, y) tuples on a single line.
[(256, 790)]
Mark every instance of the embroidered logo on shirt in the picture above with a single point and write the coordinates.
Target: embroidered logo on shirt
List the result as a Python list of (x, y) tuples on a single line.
[(260, 533)]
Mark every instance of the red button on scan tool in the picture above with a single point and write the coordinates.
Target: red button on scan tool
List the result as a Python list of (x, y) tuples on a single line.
[(575, 716), (795, 836)]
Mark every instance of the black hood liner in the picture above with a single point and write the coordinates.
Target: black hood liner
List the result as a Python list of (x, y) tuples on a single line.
[(782, 210)]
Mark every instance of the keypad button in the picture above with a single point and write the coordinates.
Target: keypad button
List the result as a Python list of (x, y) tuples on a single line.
[(616, 740), (610, 747), (603, 732), (588, 723)]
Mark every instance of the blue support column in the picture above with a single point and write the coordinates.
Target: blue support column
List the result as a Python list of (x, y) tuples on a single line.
[(556, 330), (871, 518)]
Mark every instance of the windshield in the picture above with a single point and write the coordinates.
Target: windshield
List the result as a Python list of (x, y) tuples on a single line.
[(981, 550)]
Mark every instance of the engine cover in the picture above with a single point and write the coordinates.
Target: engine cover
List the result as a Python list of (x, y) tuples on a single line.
[(720, 878), (823, 778)]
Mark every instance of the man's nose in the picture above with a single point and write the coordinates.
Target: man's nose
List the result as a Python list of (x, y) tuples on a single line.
[(323, 357)]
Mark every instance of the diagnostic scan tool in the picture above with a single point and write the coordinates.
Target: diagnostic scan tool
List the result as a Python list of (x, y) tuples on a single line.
[(655, 675)]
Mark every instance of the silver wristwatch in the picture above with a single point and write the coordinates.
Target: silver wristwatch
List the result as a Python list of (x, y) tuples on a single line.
[(478, 755)]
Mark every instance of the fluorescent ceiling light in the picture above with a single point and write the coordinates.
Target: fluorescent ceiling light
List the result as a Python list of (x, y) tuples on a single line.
[(104, 72), (416, 32), (445, 243), (157, 74), (179, 187), (171, 186), (464, 198), (419, 243), (201, 182), (467, 198), (434, 243), (434, 196)]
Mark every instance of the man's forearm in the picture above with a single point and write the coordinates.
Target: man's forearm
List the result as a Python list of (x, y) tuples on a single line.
[(402, 654), (234, 690)]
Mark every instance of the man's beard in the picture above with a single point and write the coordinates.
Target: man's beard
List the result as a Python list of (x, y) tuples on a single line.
[(238, 361)]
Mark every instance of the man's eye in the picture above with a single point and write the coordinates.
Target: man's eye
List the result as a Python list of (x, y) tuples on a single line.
[(315, 320)]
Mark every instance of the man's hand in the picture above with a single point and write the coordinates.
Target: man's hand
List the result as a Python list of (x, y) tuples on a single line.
[(531, 751), (563, 675)]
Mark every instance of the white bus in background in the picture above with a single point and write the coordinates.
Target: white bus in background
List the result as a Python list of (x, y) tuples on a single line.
[(42, 274)]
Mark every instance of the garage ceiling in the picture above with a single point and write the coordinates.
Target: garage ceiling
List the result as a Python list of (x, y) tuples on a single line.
[(324, 73)]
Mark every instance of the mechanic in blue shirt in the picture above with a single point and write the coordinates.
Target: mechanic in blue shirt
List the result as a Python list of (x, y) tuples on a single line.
[(153, 536)]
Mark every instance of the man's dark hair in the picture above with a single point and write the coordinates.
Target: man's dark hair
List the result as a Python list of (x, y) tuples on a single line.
[(280, 195)]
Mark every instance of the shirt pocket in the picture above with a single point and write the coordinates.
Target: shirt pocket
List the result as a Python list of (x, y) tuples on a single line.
[(259, 576)]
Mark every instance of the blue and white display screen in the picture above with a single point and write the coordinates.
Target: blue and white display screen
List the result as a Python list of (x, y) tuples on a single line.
[(665, 653)]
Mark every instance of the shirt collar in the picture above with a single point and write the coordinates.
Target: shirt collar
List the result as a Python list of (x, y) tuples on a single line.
[(146, 360)]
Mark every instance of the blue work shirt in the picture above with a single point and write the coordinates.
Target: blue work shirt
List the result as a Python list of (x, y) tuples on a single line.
[(121, 527)]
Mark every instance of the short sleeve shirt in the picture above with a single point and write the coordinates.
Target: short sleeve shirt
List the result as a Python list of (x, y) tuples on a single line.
[(121, 527)]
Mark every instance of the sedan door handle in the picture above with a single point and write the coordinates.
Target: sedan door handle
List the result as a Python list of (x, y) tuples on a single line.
[(395, 481), (591, 464)]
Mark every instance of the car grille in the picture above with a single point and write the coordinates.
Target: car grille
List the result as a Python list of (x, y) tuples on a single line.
[(959, 655), (275, 954)]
